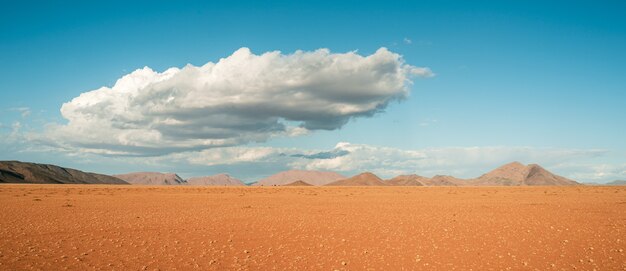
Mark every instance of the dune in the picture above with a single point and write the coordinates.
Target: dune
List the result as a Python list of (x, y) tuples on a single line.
[(309, 176), (22, 172), (215, 180), (363, 179), (152, 178)]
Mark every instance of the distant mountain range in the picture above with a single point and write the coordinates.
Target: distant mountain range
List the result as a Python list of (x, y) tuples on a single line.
[(151, 178), (219, 179), (363, 179), (517, 174), (613, 183), (416, 180), (512, 174), (311, 177), (618, 182), (157, 178), (298, 183), (21, 172)]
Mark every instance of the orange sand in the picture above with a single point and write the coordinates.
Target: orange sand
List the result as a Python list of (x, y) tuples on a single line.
[(84, 227)]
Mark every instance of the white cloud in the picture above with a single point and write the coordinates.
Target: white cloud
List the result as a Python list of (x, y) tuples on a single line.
[(407, 41), (11, 137), (231, 155), (24, 111), (595, 172), (360, 157), (242, 98), (251, 163), (460, 161), (15, 129), (427, 122), (348, 158)]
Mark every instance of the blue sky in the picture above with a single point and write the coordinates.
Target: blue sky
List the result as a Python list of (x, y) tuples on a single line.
[(539, 82)]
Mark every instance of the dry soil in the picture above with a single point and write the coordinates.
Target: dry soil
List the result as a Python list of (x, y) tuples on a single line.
[(85, 227)]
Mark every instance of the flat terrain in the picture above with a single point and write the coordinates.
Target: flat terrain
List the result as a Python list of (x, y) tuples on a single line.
[(84, 227)]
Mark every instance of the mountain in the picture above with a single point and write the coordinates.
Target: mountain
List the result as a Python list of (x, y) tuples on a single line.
[(416, 180), (215, 180), (407, 180), (517, 174), (22, 172), (298, 183), (444, 180), (512, 174), (309, 176), (152, 178), (363, 179), (618, 182)]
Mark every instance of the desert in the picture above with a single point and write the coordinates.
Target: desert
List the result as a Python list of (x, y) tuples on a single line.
[(122, 227), (313, 135)]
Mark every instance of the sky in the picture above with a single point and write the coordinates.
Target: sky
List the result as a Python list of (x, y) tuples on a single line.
[(251, 88)]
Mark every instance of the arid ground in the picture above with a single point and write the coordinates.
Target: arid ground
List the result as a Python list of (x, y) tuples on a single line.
[(84, 227)]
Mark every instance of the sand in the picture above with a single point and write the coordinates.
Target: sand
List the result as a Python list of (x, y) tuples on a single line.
[(85, 227)]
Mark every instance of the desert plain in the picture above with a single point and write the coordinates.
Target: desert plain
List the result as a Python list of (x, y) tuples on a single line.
[(121, 227)]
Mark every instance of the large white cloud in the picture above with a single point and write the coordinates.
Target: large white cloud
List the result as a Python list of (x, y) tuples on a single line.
[(241, 98)]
